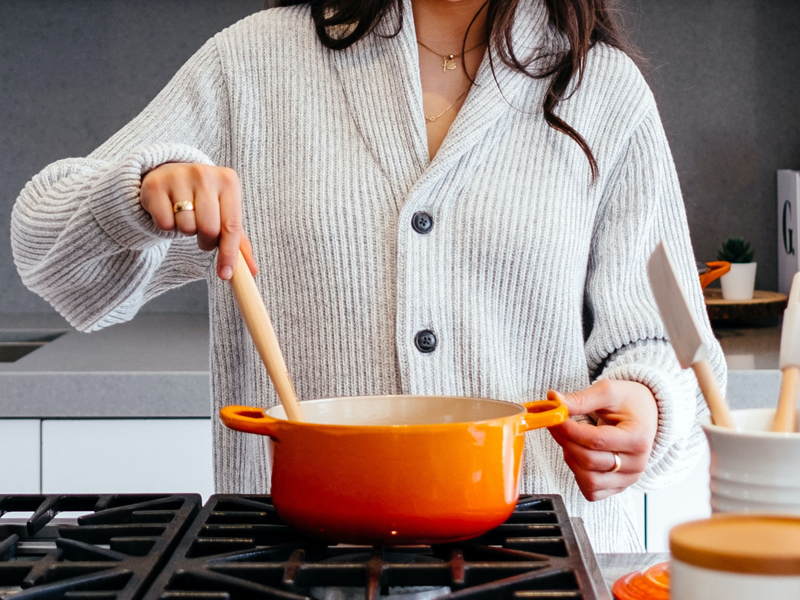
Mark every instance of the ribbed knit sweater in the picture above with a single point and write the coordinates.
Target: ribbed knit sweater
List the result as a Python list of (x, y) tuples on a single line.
[(331, 150)]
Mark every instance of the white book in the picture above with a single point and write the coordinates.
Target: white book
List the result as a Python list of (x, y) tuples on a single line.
[(788, 228)]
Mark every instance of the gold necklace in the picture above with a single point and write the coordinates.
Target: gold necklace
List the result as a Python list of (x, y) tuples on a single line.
[(432, 119), (449, 60)]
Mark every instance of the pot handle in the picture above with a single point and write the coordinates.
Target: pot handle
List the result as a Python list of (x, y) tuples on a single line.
[(251, 420), (544, 413), (716, 269)]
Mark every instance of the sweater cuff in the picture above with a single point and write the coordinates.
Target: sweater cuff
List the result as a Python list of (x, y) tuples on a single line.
[(116, 206), (675, 393)]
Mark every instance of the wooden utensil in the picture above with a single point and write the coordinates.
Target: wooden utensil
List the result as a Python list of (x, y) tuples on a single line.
[(256, 319), (789, 362), (684, 332)]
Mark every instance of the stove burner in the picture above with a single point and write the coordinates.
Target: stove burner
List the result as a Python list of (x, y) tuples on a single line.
[(112, 551), (238, 548), (164, 547), (393, 592)]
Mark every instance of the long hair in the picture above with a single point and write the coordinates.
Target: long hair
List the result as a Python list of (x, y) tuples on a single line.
[(581, 23)]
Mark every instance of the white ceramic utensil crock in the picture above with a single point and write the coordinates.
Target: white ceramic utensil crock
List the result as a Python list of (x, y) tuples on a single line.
[(754, 470)]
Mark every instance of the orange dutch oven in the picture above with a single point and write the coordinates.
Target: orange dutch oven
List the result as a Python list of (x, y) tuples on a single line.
[(396, 469)]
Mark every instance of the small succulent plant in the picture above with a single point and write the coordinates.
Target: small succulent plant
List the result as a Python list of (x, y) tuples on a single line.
[(736, 250)]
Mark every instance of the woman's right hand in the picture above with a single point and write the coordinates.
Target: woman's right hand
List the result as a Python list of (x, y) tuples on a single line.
[(217, 215)]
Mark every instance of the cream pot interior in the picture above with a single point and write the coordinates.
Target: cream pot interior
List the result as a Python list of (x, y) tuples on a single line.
[(401, 410)]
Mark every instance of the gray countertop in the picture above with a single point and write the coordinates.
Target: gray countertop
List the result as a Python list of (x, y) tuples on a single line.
[(157, 366), (154, 366)]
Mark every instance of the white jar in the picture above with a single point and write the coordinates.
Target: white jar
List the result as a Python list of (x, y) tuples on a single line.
[(736, 557), (754, 470)]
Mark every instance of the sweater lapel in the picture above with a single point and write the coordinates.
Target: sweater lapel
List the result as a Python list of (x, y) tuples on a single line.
[(495, 91), (380, 78)]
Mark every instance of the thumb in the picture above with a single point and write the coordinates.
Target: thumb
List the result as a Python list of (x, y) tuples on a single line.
[(580, 402)]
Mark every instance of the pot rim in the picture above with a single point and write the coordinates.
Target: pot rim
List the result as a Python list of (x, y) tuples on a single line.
[(521, 410)]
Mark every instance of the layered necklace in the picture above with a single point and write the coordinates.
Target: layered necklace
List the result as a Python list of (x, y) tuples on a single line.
[(449, 64), (449, 60)]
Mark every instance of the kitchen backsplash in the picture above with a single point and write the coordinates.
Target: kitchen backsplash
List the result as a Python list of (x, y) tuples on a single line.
[(725, 73)]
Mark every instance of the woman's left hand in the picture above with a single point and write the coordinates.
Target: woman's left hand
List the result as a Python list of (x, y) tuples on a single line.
[(627, 418)]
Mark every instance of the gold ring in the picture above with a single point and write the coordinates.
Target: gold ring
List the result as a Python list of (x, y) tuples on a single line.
[(617, 463), (185, 205)]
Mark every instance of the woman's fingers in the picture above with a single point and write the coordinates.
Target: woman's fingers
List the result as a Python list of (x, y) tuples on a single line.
[(181, 191), (216, 212), (599, 396), (230, 215), (206, 206), (602, 437), (154, 198), (597, 485), (603, 462), (627, 420)]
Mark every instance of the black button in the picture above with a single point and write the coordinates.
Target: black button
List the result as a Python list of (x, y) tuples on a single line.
[(425, 341), (422, 222)]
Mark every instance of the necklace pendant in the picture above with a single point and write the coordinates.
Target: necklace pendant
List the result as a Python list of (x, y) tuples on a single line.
[(448, 62)]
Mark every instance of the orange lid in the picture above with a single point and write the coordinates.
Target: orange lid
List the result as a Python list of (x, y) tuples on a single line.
[(738, 543), (652, 584)]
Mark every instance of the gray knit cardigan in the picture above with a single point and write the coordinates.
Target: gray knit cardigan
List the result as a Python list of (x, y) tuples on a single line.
[(331, 150)]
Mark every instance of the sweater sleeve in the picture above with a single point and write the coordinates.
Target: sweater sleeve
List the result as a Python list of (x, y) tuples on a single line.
[(79, 235), (628, 341)]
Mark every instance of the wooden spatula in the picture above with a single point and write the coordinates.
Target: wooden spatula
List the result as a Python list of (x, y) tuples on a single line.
[(790, 362), (256, 319), (684, 332)]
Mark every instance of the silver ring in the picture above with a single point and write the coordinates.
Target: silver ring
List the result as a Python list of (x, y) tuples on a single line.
[(617, 463)]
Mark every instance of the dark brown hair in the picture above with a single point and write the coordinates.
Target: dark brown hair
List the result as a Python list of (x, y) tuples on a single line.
[(581, 24)]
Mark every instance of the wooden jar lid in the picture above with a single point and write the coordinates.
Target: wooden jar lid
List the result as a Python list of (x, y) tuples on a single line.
[(740, 543)]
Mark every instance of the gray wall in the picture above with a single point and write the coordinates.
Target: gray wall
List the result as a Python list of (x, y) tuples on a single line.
[(72, 72), (726, 74)]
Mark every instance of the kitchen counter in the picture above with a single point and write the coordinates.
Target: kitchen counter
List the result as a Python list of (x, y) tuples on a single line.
[(153, 366), (752, 355), (157, 366)]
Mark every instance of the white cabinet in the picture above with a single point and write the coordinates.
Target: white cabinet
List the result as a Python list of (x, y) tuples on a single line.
[(20, 447), (127, 456), (640, 516), (684, 501)]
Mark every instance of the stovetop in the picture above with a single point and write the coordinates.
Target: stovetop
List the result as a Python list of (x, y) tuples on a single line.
[(169, 547)]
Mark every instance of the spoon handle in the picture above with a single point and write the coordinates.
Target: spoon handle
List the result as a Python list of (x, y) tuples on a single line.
[(720, 412), (789, 361), (784, 416), (256, 319)]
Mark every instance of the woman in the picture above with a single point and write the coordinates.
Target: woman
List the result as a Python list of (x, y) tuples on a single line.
[(436, 193)]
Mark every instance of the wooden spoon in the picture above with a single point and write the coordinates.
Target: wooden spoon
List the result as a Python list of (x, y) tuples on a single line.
[(256, 319), (789, 362)]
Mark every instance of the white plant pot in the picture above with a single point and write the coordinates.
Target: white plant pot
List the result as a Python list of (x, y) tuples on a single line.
[(739, 282)]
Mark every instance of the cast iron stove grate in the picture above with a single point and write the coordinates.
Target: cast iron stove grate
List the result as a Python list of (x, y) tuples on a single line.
[(239, 549), (109, 548)]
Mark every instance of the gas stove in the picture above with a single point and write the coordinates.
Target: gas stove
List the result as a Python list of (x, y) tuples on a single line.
[(170, 547)]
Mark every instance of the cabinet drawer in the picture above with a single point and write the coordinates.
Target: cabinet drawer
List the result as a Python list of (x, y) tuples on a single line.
[(20, 447), (127, 456)]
